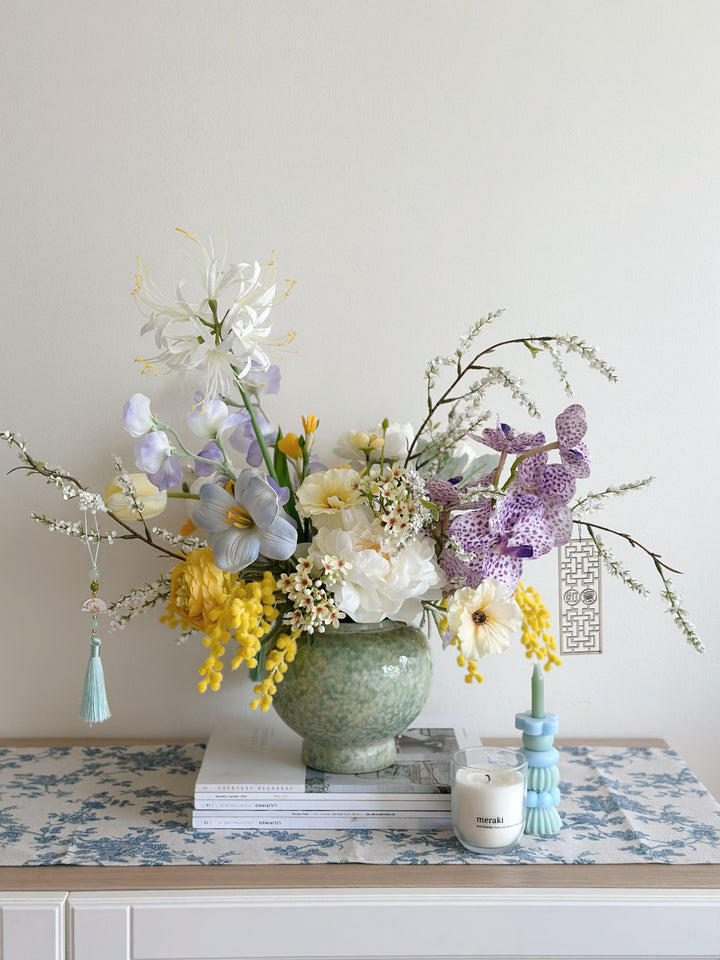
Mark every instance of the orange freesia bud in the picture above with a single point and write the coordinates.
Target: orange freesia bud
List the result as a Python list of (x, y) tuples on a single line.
[(310, 423)]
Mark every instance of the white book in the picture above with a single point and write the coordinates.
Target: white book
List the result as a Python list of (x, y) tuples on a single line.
[(262, 760), (322, 802), (379, 821)]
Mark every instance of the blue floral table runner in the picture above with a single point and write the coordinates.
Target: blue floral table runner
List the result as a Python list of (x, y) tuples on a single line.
[(132, 806)]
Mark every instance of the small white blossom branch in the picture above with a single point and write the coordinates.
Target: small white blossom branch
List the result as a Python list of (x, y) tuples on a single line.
[(668, 593), (616, 569), (73, 528), (592, 502), (137, 601), (71, 489)]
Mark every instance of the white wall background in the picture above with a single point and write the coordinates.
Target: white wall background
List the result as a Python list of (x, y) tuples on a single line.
[(415, 164)]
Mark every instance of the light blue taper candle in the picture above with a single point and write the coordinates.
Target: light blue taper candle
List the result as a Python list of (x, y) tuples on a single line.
[(539, 729)]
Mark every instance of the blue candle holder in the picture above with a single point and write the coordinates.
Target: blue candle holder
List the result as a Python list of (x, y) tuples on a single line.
[(543, 795)]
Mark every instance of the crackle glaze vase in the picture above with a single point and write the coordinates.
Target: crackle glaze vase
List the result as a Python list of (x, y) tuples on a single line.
[(351, 690)]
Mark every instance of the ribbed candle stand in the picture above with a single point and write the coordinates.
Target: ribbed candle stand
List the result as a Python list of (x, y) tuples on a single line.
[(543, 795)]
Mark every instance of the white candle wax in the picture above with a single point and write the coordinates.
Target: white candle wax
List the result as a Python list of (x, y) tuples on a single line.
[(488, 806)]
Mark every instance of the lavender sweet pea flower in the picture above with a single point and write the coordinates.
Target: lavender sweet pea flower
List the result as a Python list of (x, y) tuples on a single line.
[(243, 437), (267, 380), (154, 456), (137, 418), (571, 427), (211, 451), (245, 526)]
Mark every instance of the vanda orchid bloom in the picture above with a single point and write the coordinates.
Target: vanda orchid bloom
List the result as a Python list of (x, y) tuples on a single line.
[(247, 525)]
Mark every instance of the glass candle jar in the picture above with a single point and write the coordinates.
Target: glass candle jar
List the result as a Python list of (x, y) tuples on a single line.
[(489, 786)]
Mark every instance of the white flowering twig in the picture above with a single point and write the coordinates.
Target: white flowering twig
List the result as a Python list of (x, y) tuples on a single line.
[(669, 594), (464, 416), (592, 502), (71, 489), (137, 601)]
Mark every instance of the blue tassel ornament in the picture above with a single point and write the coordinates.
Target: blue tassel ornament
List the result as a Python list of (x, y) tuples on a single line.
[(94, 705)]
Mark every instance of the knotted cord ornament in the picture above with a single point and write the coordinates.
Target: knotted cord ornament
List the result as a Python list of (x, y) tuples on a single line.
[(94, 706)]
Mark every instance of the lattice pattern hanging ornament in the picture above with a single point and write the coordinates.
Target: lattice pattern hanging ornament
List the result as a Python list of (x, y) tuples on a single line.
[(580, 611), (94, 706)]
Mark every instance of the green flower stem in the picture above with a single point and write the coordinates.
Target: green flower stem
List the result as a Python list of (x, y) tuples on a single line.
[(258, 433), (226, 465), (555, 445), (184, 496)]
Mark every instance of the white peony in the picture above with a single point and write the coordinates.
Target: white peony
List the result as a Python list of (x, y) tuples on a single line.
[(382, 583)]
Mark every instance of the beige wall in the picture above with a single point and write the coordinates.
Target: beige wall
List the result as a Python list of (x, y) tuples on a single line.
[(414, 164)]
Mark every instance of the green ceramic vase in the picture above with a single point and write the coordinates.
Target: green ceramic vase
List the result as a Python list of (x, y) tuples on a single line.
[(351, 690)]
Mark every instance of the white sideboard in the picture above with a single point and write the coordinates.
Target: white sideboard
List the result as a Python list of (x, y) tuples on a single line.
[(361, 912)]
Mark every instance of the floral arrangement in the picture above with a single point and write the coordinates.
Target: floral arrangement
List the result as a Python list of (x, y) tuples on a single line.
[(427, 525)]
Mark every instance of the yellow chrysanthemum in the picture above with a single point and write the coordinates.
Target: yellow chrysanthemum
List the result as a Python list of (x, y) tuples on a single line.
[(198, 592), (216, 603)]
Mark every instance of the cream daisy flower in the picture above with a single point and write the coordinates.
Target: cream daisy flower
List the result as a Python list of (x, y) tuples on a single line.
[(483, 619)]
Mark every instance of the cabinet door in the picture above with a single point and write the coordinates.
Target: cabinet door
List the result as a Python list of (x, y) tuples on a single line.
[(32, 926), (376, 924)]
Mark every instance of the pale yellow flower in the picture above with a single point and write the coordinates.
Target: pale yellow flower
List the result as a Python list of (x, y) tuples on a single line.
[(153, 500), (483, 619), (328, 492)]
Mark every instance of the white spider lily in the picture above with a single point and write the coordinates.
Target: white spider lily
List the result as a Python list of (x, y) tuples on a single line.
[(220, 344)]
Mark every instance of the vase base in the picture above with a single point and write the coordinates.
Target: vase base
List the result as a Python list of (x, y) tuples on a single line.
[(344, 759)]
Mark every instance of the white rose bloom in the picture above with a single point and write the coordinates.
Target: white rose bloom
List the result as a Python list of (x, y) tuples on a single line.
[(382, 583)]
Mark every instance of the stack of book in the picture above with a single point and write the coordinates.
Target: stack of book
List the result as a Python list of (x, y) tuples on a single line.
[(252, 778)]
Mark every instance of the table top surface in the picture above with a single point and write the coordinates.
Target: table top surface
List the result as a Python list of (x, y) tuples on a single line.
[(307, 876)]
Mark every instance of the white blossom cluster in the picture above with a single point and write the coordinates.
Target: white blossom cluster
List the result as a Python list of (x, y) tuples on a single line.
[(137, 601), (314, 606), (395, 495), (616, 569), (73, 528), (593, 502), (680, 615), (178, 540), (588, 353)]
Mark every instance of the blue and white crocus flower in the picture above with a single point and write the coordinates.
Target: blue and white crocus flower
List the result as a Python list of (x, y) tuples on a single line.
[(247, 525)]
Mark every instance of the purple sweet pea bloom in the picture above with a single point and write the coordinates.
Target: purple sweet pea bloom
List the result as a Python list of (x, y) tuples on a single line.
[(504, 439), (245, 526), (211, 451), (154, 456), (243, 437), (267, 380), (571, 427), (137, 418)]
